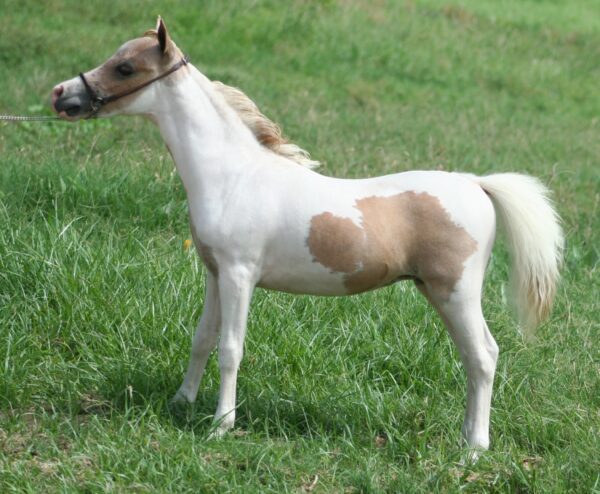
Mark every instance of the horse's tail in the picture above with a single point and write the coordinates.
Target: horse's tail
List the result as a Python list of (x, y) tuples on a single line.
[(535, 242)]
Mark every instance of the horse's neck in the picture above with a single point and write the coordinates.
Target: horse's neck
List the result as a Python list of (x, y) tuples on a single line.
[(209, 143)]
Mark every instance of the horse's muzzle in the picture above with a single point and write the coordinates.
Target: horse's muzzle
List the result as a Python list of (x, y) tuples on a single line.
[(72, 105)]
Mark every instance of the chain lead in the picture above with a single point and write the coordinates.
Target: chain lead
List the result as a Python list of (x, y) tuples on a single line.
[(27, 118)]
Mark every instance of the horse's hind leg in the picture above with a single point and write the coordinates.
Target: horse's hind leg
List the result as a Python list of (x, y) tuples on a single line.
[(464, 320)]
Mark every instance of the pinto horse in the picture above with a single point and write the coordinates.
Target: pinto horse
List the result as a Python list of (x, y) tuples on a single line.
[(261, 217)]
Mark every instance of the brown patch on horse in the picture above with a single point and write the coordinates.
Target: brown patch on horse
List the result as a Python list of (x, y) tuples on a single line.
[(408, 235), (205, 252)]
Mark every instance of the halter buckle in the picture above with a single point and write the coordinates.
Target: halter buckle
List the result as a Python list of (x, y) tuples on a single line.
[(96, 102)]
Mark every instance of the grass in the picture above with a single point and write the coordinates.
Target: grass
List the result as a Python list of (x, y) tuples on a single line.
[(98, 299)]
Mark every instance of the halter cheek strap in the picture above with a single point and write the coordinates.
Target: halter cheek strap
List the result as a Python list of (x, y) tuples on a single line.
[(97, 101)]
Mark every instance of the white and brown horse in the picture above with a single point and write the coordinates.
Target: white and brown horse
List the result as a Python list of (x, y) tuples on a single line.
[(260, 217)]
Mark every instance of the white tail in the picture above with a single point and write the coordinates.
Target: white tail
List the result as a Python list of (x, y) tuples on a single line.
[(535, 242)]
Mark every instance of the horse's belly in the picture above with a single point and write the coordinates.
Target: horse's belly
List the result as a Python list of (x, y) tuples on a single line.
[(330, 265), (301, 276)]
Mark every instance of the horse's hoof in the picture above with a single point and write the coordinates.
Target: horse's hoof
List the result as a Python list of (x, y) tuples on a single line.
[(471, 456), (179, 401), (217, 434)]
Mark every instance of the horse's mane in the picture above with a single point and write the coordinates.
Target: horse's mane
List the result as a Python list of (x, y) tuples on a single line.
[(267, 132)]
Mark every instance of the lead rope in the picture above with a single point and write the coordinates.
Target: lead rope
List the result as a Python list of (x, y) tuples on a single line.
[(28, 118)]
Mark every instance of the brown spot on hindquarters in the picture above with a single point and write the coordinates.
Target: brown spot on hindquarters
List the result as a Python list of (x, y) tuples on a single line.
[(406, 235), (205, 252)]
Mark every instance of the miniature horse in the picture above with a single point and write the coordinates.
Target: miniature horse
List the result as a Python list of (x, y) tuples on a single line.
[(260, 217)]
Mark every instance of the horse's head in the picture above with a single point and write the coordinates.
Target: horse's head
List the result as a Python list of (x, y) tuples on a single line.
[(122, 84)]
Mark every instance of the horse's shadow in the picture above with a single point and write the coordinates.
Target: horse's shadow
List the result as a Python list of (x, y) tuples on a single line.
[(273, 412)]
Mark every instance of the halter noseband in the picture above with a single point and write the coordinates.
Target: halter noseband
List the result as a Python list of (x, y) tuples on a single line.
[(97, 101)]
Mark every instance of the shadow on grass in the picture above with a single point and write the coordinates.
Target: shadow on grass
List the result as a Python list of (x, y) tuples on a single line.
[(275, 414)]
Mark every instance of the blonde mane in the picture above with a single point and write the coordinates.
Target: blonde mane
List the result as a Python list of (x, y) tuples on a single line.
[(266, 131)]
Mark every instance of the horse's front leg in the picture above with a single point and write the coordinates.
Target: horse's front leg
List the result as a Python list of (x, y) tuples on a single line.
[(203, 343), (236, 285)]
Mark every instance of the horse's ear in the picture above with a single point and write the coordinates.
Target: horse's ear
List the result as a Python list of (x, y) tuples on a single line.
[(162, 34)]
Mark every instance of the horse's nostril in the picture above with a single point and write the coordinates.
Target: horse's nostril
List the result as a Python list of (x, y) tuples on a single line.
[(73, 110), (56, 93), (71, 105)]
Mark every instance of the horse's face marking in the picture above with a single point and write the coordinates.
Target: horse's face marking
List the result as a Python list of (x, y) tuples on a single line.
[(133, 64), (408, 234)]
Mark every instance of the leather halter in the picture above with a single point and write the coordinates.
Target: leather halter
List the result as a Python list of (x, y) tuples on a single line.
[(97, 101)]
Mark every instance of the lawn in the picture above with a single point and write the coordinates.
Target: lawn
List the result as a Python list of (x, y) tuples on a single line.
[(99, 297)]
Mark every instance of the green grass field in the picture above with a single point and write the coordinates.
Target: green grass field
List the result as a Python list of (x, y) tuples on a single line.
[(98, 299)]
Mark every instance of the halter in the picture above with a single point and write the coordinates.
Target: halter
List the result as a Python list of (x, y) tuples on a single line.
[(97, 101)]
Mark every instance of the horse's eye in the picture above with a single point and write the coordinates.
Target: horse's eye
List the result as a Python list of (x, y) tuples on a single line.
[(125, 69)]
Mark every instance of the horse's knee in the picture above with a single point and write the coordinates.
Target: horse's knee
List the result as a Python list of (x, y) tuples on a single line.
[(480, 366), (204, 339), (230, 357)]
